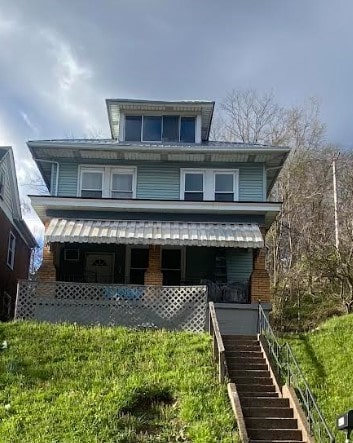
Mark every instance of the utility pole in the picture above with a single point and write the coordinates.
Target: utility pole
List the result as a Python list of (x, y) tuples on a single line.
[(337, 241)]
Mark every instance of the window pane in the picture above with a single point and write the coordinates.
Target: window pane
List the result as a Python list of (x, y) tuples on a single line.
[(139, 258), (91, 180), (224, 197), (171, 259), (224, 182), (194, 182), (193, 196), (122, 182), (91, 194), (152, 128), (171, 128), (187, 129), (133, 125)]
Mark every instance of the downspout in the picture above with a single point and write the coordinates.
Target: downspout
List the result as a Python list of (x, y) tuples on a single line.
[(57, 172)]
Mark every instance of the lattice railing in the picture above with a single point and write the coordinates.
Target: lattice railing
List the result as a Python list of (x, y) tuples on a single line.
[(168, 307)]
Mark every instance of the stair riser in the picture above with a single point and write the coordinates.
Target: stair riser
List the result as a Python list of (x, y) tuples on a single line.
[(240, 337), (255, 388), (241, 348), (265, 381), (254, 374), (275, 434), (255, 394), (271, 423), (234, 367), (265, 402), (230, 353), (267, 412)]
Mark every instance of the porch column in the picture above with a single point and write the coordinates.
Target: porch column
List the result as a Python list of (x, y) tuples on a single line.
[(47, 270), (153, 275), (259, 280)]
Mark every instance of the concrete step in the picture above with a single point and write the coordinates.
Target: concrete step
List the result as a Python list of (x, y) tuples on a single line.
[(241, 347), (255, 388), (247, 365), (251, 402), (239, 337), (251, 373), (256, 394), (244, 354), (274, 434), (275, 441), (271, 423), (269, 412), (265, 381), (245, 359)]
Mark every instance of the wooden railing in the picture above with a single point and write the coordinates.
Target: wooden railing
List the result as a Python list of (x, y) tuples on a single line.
[(218, 346)]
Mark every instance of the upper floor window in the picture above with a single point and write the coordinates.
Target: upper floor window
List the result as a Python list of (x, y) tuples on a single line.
[(107, 182), (154, 128), (209, 184), (11, 247)]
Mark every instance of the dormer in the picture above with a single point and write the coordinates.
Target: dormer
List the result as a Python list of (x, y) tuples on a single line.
[(145, 121)]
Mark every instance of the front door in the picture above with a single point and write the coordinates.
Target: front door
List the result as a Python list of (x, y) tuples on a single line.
[(99, 267)]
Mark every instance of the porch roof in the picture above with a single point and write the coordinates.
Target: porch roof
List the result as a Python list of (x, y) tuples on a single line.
[(234, 235)]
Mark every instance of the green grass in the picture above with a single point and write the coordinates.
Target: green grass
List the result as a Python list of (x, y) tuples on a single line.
[(67, 384), (326, 357)]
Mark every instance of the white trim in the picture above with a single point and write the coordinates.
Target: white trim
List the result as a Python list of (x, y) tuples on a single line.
[(107, 172), (43, 203), (11, 263), (209, 181)]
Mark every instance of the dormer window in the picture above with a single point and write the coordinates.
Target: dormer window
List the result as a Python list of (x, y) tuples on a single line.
[(154, 128)]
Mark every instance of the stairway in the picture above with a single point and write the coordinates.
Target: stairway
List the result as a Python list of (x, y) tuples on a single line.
[(268, 417)]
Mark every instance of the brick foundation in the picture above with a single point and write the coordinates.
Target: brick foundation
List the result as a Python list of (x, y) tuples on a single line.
[(153, 275), (260, 280), (47, 270)]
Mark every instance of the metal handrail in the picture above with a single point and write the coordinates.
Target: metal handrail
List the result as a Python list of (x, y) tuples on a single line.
[(289, 369), (218, 346)]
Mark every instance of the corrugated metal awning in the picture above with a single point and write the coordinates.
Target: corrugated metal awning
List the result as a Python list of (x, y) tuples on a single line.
[(137, 232)]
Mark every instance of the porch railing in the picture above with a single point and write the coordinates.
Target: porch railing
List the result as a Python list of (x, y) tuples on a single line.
[(289, 370), (168, 307), (218, 346)]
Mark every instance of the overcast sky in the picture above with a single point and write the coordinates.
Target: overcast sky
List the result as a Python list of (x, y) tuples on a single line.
[(60, 60)]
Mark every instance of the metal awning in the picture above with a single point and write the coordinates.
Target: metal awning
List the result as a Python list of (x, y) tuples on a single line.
[(137, 232)]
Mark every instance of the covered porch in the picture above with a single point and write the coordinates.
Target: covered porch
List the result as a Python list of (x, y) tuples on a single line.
[(227, 257)]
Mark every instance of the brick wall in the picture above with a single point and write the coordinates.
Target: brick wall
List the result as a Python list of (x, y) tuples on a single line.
[(9, 277), (260, 280), (47, 270), (153, 275)]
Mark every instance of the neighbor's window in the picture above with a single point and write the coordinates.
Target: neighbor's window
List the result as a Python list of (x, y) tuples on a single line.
[(224, 186), (11, 250), (122, 185), (92, 184), (154, 128), (193, 186)]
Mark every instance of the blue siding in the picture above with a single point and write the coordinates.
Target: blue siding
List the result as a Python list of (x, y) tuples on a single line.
[(68, 176), (162, 180), (239, 264)]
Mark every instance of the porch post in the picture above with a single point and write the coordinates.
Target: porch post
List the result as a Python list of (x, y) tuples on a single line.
[(47, 270), (153, 275)]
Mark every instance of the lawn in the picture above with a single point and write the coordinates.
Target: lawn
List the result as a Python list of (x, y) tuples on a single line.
[(326, 357), (67, 384)]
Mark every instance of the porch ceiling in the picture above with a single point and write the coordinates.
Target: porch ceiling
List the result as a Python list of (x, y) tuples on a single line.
[(154, 232)]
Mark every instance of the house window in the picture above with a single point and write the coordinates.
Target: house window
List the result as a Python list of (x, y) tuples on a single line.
[(121, 186), (138, 265), (224, 186), (154, 128), (171, 266), (92, 184), (193, 186), (209, 184), (133, 127), (11, 250), (107, 182)]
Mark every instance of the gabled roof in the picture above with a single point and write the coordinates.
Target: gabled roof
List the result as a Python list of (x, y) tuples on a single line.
[(116, 106), (6, 154)]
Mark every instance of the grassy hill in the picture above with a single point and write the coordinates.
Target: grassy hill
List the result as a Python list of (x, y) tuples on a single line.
[(72, 384), (326, 357)]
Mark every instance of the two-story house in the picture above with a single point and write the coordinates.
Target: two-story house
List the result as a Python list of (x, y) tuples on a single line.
[(158, 203), (16, 240)]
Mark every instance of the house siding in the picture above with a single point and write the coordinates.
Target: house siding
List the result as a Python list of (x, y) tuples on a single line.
[(5, 168), (161, 181), (239, 264)]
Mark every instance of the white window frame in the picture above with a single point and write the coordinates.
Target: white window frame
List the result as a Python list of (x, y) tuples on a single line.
[(11, 248), (90, 169), (209, 181), (107, 172)]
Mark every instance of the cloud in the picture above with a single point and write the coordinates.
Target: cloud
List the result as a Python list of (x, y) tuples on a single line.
[(28, 122)]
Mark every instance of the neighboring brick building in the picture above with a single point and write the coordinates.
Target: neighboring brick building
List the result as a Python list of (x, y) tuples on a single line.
[(16, 240)]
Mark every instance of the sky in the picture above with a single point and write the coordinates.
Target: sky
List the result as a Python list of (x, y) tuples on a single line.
[(60, 60)]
